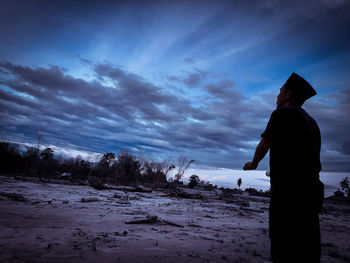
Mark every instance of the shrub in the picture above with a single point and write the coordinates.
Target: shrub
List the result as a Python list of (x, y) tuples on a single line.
[(194, 181), (345, 186), (155, 172), (127, 168)]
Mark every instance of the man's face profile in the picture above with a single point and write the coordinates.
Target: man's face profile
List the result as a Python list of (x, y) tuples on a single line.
[(282, 97)]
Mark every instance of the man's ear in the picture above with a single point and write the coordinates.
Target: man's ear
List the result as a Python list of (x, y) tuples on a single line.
[(289, 94)]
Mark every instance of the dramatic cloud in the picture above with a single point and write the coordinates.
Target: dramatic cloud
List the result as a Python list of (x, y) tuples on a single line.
[(171, 78), (119, 109)]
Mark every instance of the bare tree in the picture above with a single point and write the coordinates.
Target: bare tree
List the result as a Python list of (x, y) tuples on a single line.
[(153, 171), (35, 158), (184, 164)]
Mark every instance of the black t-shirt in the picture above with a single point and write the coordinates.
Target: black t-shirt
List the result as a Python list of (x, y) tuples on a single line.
[(295, 151)]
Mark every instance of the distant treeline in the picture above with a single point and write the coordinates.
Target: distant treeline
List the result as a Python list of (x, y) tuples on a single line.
[(124, 169)]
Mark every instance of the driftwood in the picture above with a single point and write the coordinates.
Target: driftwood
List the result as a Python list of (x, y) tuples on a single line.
[(218, 192), (143, 189), (252, 210), (152, 219), (197, 193), (147, 220), (139, 188), (96, 183), (14, 196), (189, 193), (120, 187), (193, 225), (120, 194), (89, 199)]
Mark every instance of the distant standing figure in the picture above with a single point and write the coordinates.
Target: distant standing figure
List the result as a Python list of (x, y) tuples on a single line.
[(293, 138)]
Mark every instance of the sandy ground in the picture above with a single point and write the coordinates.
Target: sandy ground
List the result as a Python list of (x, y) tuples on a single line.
[(55, 226)]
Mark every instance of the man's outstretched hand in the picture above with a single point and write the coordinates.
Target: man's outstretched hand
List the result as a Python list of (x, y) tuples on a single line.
[(249, 166)]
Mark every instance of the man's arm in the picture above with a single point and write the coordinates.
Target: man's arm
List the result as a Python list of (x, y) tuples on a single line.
[(260, 152)]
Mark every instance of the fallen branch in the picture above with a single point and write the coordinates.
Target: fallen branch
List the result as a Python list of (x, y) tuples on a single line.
[(139, 188), (89, 199), (152, 219), (147, 220), (252, 210), (14, 196)]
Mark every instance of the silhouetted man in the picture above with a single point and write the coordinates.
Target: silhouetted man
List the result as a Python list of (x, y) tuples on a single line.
[(294, 141)]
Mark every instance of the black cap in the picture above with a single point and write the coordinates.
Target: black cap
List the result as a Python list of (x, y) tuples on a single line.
[(300, 87)]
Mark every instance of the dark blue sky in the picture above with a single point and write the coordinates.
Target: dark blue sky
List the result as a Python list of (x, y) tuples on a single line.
[(171, 78)]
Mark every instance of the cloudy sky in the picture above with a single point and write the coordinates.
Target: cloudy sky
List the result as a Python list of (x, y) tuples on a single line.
[(170, 78)]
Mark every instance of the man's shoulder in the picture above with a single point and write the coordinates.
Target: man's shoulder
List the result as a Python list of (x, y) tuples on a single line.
[(290, 117), (289, 112)]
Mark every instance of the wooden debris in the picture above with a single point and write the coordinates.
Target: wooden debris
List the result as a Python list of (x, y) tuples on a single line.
[(147, 220), (89, 199), (96, 183), (189, 193), (121, 195), (14, 196), (218, 192), (143, 189), (152, 219), (139, 188), (252, 210), (193, 225), (120, 188), (196, 193)]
